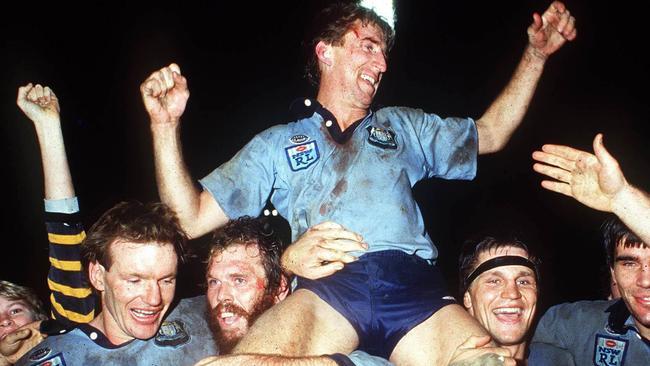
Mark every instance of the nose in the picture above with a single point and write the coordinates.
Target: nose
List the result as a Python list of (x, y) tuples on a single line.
[(153, 295), (380, 62), (6, 322), (643, 279), (224, 293), (511, 291)]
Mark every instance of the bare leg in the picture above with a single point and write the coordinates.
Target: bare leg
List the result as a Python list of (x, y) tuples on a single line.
[(301, 325), (434, 341)]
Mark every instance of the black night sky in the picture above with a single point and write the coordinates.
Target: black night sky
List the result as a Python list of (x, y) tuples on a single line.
[(244, 65)]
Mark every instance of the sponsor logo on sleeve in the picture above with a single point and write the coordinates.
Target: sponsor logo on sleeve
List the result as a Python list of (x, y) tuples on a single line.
[(609, 351), (302, 156), (299, 139)]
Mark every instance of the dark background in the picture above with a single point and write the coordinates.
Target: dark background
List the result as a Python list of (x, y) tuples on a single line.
[(244, 66)]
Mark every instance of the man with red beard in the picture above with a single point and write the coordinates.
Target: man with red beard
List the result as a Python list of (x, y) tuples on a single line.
[(498, 280), (244, 278)]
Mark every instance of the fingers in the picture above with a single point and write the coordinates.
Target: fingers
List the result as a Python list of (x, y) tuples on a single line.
[(22, 93), (601, 153), (330, 230), (476, 341), (553, 160), (334, 255), (553, 172), (325, 270), (563, 188), (161, 81), (18, 335), (562, 151)]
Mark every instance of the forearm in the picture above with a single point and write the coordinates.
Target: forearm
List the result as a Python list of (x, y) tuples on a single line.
[(632, 206), (507, 111), (57, 179), (175, 185)]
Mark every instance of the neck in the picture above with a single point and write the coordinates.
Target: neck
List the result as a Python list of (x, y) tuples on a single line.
[(518, 351), (346, 113), (100, 323), (643, 330)]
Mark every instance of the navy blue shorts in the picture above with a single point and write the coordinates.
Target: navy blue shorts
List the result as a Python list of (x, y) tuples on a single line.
[(383, 295)]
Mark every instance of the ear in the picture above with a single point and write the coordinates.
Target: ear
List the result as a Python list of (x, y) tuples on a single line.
[(96, 273), (467, 301), (324, 53), (283, 290)]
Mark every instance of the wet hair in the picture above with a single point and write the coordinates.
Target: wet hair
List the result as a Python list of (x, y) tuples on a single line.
[(332, 23), (13, 292), (468, 260), (251, 231), (133, 222), (616, 233)]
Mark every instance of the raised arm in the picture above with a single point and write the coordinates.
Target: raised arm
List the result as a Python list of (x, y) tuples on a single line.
[(546, 35), (165, 95), (595, 180)]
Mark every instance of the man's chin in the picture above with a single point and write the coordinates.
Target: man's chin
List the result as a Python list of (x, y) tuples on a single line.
[(226, 341)]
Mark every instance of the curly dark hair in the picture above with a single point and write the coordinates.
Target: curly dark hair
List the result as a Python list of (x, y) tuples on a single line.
[(252, 231), (468, 260), (134, 222), (616, 233), (332, 23)]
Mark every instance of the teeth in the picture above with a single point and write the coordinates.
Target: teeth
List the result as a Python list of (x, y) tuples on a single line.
[(226, 315), (144, 312), (368, 78), (507, 311)]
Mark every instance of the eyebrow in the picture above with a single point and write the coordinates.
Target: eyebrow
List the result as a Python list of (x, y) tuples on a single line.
[(622, 258)]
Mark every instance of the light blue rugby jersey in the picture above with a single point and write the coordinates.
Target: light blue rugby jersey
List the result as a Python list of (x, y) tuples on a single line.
[(364, 184), (184, 338)]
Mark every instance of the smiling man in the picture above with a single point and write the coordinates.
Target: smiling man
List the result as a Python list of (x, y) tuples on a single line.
[(607, 333), (499, 287), (332, 165)]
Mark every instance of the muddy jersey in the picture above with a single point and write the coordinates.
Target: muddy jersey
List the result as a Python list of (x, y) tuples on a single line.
[(361, 178), (600, 333), (183, 339)]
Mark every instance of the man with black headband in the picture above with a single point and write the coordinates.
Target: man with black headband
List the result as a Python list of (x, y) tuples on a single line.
[(498, 282)]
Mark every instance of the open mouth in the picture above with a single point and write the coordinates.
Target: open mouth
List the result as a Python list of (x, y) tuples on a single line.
[(508, 315), (145, 316)]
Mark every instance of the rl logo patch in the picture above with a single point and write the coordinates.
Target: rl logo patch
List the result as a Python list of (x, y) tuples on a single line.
[(609, 351), (382, 137), (302, 156), (172, 334)]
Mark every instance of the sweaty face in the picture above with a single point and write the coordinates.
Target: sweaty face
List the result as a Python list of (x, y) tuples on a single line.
[(13, 315), (503, 299), (358, 64), (632, 274), (236, 293), (136, 291)]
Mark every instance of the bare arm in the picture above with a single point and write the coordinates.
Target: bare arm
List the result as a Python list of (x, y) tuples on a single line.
[(595, 180), (546, 35), (41, 106), (266, 360), (165, 95)]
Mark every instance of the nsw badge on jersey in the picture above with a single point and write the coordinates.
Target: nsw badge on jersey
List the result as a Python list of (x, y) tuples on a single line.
[(609, 351), (382, 137), (56, 360), (172, 334), (302, 156)]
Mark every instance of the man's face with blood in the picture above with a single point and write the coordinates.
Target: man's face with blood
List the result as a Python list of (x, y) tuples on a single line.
[(236, 292)]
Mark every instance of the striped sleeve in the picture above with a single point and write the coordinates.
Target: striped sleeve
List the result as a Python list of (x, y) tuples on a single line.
[(71, 297)]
